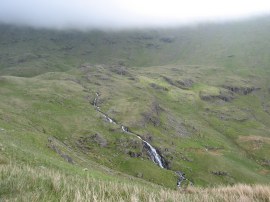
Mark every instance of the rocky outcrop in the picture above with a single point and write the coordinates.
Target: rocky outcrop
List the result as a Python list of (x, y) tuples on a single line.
[(181, 178), (184, 84), (58, 151), (226, 96), (241, 90), (120, 70), (84, 142), (152, 115)]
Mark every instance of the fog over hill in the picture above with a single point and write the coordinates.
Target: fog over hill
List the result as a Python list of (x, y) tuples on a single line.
[(162, 111), (115, 14)]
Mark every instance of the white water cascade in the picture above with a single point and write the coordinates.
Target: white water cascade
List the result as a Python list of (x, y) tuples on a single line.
[(156, 158)]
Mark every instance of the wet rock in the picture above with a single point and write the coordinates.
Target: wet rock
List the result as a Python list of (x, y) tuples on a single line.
[(181, 178)]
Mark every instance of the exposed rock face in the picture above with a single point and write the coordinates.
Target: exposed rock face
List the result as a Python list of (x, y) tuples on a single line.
[(184, 84), (83, 142), (181, 178), (223, 95), (58, 151), (266, 162), (168, 80), (99, 139), (152, 116), (134, 154), (120, 70)]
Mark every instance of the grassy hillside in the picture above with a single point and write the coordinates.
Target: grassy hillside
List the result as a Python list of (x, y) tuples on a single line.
[(28, 51), (199, 95)]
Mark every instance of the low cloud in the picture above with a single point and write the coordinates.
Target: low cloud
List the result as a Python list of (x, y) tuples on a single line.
[(85, 14)]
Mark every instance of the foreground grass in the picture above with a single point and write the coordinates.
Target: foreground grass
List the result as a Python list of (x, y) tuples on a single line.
[(26, 183)]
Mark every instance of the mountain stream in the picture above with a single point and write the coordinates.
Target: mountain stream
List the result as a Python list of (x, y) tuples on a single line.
[(152, 152)]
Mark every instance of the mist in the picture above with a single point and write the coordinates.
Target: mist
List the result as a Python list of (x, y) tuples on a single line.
[(122, 14)]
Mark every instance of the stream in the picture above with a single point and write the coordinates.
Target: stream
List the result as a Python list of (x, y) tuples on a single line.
[(152, 152)]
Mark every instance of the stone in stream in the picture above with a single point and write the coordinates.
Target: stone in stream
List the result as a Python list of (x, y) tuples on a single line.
[(181, 178), (125, 129)]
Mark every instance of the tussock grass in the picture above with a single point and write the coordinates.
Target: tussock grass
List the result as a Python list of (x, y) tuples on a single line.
[(25, 183)]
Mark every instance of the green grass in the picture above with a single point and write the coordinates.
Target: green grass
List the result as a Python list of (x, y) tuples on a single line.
[(49, 80)]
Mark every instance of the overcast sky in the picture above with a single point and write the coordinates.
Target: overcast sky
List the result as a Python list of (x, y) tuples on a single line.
[(125, 13)]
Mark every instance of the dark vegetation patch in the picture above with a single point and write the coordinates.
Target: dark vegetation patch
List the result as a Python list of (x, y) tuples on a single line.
[(152, 115), (120, 70), (224, 95), (85, 142), (219, 173), (168, 39), (158, 87), (131, 147)]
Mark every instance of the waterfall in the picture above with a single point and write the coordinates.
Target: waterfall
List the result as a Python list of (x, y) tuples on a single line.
[(155, 157), (153, 154)]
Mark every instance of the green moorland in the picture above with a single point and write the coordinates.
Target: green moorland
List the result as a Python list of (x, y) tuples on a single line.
[(200, 95)]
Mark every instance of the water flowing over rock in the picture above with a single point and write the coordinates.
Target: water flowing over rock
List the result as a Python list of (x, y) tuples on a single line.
[(152, 152), (156, 158), (181, 178)]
